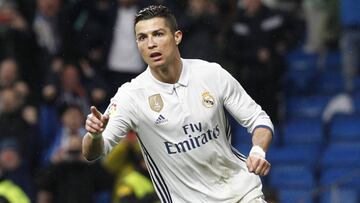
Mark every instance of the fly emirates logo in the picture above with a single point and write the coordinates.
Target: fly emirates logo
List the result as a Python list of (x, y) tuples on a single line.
[(196, 138)]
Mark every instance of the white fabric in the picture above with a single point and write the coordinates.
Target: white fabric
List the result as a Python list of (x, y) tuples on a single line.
[(46, 33), (124, 55), (186, 145), (257, 151)]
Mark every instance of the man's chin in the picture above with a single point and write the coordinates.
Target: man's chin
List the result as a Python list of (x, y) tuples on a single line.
[(157, 64)]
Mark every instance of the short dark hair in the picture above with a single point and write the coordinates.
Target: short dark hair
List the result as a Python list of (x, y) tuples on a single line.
[(154, 11)]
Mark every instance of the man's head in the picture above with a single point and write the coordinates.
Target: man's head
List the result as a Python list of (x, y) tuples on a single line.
[(8, 72), (252, 6), (157, 11), (10, 157), (127, 3), (10, 101), (157, 36), (73, 118), (70, 77), (49, 8)]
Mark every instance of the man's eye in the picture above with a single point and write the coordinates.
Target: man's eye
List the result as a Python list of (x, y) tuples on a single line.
[(159, 34), (141, 38)]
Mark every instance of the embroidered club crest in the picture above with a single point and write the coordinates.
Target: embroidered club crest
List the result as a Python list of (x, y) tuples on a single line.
[(207, 100), (156, 103), (112, 109)]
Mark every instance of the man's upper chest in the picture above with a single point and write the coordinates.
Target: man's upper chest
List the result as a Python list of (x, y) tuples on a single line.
[(168, 110)]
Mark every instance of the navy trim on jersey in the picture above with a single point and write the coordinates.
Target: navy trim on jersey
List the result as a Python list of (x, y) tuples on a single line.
[(154, 172), (156, 176), (156, 182), (228, 130), (238, 154), (264, 126), (233, 149)]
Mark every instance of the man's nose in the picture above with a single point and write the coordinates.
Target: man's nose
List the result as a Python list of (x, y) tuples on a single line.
[(151, 43)]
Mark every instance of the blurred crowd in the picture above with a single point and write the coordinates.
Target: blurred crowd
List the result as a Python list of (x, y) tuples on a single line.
[(58, 57)]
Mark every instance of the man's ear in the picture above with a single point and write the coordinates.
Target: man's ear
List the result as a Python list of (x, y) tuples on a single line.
[(178, 37)]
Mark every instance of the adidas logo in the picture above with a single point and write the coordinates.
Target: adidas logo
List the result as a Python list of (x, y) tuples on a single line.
[(161, 119)]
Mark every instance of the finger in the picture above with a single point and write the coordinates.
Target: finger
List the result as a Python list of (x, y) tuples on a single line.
[(91, 118), (95, 112), (249, 164), (263, 169), (261, 165), (92, 127), (255, 162), (266, 169), (105, 119)]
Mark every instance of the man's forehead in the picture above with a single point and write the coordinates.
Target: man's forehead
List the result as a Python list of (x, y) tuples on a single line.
[(151, 25)]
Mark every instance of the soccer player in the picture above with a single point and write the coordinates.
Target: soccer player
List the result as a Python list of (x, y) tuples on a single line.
[(176, 106)]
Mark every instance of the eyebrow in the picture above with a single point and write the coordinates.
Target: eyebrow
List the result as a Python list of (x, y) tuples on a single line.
[(152, 31)]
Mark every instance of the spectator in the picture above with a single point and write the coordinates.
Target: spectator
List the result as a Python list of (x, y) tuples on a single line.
[(17, 42), (14, 168), (123, 60), (10, 78), (72, 121), (72, 179), (13, 28), (52, 80), (11, 192), (350, 41), (257, 42), (89, 19), (16, 110), (95, 84), (133, 183), (12, 123), (45, 26), (48, 27), (72, 91), (321, 24), (201, 27), (65, 86)]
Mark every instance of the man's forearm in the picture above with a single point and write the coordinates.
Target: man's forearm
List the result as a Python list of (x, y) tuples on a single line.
[(262, 137), (93, 148)]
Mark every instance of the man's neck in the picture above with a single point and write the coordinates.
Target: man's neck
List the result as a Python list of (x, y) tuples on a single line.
[(170, 73)]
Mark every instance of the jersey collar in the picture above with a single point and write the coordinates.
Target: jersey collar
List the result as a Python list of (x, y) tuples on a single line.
[(167, 87)]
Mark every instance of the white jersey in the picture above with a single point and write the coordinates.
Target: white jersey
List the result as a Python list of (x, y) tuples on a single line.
[(184, 134)]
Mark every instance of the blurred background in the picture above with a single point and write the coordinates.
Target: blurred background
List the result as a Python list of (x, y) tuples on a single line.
[(299, 59)]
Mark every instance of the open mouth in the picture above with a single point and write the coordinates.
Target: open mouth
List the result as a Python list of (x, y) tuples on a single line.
[(155, 55)]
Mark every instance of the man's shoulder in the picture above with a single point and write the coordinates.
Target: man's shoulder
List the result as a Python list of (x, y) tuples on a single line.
[(134, 86), (136, 83), (200, 65)]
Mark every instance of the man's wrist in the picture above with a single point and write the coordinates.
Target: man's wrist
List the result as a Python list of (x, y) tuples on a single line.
[(257, 151), (95, 136)]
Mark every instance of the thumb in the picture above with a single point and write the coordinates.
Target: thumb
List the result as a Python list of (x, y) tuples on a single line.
[(95, 112), (105, 119)]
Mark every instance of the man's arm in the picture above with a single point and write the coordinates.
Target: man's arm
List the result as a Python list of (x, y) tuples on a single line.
[(93, 147), (256, 161), (262, 137), (93, 143), (250, 115)]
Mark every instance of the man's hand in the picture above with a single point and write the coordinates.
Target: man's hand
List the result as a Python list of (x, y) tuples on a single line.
[(96, 122), (257, 163)]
